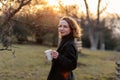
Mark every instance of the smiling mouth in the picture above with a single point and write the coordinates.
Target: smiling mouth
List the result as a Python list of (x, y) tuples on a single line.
[(61, 32)]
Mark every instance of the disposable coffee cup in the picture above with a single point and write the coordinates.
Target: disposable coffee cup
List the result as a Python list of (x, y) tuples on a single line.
[(48, 54)]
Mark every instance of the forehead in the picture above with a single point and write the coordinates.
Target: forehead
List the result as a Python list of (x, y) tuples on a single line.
[(63, 22)]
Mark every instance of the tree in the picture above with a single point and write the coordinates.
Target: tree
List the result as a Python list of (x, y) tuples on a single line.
[(41, 20), (68, 10), (113, 21), (45, 23), (9, 9), (94, 28)]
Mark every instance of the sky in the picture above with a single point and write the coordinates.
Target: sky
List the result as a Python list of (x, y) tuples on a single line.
[(113, 6)]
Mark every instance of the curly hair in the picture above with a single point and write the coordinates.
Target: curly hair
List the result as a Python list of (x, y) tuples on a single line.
[(75, 28)]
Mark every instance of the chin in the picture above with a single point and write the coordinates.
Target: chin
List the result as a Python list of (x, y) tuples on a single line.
[(63, 35)]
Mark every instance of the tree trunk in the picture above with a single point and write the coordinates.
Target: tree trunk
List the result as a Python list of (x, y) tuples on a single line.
[(94, 38), (95, 35), (55, 40), (39, 38), (102, 44)]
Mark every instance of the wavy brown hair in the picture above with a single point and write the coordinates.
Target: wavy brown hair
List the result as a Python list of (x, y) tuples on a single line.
[(75, 28)]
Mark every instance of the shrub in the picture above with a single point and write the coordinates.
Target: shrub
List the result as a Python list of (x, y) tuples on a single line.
[(117, 48)]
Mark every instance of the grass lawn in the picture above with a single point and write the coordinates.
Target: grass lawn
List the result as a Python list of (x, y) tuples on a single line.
[(29, 63)]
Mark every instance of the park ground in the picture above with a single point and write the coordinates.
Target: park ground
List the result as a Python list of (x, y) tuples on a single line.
[(29, 63)]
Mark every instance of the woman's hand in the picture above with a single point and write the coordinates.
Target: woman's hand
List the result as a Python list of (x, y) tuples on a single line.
[(55, 54)]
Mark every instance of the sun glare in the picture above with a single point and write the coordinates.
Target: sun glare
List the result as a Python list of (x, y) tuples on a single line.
[(69, 2), (65, 2), (0, 5), (52, 2)]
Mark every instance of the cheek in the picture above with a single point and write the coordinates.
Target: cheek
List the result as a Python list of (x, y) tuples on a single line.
[(59, 29), (68, 31)]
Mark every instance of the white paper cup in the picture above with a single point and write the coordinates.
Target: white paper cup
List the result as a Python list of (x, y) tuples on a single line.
[(48, 54)]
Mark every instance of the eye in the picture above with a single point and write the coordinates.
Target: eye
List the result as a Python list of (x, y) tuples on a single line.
[(65, 26), (59, 26)]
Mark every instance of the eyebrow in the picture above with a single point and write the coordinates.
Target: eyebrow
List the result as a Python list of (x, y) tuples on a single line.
[(63, 25)]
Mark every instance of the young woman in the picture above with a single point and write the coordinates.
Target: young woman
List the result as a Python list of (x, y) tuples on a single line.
[(65, 57)]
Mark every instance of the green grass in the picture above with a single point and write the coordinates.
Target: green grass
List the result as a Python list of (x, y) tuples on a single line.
[(30, 63)]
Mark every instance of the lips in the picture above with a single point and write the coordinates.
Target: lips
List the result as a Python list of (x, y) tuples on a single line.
[(62, 32)]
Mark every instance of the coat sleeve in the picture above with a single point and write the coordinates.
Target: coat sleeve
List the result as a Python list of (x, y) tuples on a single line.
[(68, 59)]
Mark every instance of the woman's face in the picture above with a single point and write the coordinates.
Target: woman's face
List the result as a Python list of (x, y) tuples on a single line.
[(64, 28)]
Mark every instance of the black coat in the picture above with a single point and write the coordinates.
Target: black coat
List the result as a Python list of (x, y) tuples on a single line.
[(66, 62)]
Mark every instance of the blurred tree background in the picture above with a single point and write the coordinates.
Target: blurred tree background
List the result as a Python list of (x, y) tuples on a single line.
[(35, 21)]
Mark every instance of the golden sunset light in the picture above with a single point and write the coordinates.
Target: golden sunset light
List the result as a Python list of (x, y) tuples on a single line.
[(65, 2), (59, 39), (52, 2), (0, 5)]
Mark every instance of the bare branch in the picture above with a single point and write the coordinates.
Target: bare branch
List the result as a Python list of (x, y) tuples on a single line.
[(2, 3), (118, 16), (14, 11), (6, 27), (87, 11), (98, 10), (103, 9)]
